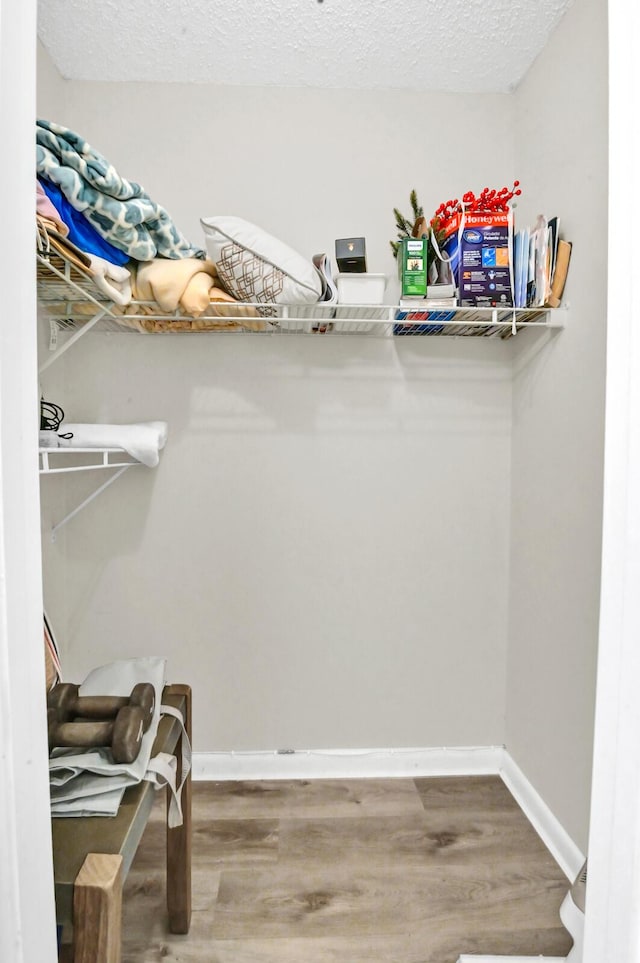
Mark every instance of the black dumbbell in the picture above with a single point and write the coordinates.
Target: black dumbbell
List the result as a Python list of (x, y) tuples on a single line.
[(123, 735), (66, 702)]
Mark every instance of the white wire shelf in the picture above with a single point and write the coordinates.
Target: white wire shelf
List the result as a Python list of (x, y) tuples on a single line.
[(56, 461), (75, 306)]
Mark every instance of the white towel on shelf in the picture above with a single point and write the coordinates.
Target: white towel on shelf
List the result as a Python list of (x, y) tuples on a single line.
[(143, 441), (48, 439)]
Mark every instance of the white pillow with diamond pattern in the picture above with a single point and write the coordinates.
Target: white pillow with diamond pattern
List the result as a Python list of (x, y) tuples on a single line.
[(255, 266)]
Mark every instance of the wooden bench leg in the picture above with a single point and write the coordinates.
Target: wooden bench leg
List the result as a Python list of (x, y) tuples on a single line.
[(179, 842), (97, 910)]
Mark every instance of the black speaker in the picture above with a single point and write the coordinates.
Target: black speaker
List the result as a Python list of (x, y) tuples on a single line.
[(351, 255)]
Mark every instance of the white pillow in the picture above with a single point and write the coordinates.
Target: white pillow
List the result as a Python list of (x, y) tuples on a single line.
[(255, 266)]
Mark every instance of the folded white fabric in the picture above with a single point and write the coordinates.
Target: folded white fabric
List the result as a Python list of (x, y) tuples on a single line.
[(83, 781), (88, 782), (112, 279), (83, 785), (104, 803), (117, 679), (142, 441)]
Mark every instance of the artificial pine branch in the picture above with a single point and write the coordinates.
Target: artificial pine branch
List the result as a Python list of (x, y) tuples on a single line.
[(416, 208), (403, 224)]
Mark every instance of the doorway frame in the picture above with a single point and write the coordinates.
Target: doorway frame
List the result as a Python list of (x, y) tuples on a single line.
[(27, 916), (27, 909)]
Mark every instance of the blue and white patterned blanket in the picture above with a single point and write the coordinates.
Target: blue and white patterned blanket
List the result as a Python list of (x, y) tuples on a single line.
[(120, 210)]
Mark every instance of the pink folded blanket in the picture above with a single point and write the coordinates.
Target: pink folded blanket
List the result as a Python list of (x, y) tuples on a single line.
[(45, 208)]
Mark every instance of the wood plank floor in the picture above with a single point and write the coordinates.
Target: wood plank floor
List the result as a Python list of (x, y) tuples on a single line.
[(351, 871)]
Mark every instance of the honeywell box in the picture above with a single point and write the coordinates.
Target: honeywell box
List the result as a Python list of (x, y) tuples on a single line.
[(484, 275)]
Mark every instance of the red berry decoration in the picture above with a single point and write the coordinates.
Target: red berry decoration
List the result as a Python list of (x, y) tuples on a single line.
[(488, 202)]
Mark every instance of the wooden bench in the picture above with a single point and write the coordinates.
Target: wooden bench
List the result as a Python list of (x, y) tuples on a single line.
[(92, 856)]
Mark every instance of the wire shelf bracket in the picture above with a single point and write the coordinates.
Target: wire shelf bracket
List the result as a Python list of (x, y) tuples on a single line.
[(119, 467)]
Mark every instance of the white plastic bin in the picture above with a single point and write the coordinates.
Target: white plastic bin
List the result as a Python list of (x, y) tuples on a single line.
[(360, 290)]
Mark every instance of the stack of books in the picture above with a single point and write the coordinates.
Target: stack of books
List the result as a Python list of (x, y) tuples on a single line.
[(438, 306), (540, 264)]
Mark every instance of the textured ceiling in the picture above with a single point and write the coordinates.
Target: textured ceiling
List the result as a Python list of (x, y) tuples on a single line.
[(457, 45)]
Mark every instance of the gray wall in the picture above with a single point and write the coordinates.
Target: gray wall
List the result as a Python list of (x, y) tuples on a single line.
[(323, 549), (558, 415), (317, 552), (356, 544), (51, 87)]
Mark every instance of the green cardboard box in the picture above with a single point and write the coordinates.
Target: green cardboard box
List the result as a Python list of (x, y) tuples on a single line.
[(412, 256)]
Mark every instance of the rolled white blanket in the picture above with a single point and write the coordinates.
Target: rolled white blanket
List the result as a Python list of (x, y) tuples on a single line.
[(48, 439), (142, 441)]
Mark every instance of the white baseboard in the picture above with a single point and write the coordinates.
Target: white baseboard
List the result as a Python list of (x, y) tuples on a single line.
[(381, 763), (348, 763), (511, 959), (553, 834)]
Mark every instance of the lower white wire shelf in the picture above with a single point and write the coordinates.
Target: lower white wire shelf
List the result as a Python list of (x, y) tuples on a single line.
[(55, 460)]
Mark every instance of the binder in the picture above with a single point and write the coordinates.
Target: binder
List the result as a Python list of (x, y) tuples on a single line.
[(560, 274)]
